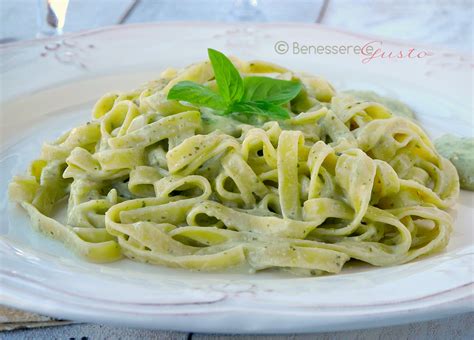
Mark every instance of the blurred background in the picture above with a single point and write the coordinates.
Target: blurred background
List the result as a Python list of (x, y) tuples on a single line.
[(447, 23)]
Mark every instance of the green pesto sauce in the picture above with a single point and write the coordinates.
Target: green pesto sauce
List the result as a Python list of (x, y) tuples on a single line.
[(460, 151), (225, 124), (395, 106)]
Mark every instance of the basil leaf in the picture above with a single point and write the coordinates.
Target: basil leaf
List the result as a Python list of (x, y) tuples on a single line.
[(271, 90), (196, 94), (228, 79), (261, 108)]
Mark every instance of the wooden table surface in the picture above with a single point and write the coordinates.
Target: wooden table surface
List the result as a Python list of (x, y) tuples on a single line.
[(437, 22)]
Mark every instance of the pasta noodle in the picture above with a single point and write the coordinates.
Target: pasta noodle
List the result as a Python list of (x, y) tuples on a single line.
[(164, 182)]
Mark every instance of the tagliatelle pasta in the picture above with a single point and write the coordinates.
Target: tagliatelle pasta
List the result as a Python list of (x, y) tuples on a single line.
[(164, 182)]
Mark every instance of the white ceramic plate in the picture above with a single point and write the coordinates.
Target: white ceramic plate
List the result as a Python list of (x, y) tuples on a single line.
[(49, 86)]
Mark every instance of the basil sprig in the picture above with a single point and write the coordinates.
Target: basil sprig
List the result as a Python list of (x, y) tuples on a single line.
[(259, 96)]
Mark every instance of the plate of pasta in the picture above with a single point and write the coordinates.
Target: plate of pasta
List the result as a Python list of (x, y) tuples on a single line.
[(210, 182)]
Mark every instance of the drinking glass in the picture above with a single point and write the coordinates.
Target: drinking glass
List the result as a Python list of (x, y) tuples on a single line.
[(246, 10), (51, 16)]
